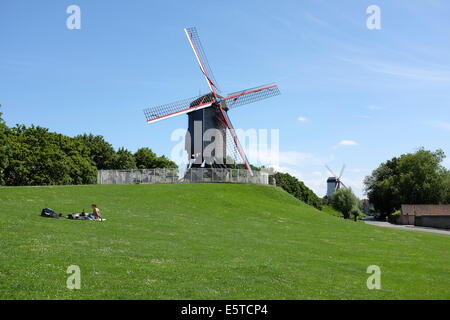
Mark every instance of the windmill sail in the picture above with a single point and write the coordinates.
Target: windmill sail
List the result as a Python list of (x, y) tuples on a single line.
[(237, 145), (342, 171), (179, 107), (196, 45), (331, 171), (336, 179), (251, 95)]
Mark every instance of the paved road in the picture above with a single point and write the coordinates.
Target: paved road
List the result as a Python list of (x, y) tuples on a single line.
[(373, 222)]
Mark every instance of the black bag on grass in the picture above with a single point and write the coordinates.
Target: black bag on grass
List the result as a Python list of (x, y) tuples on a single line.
[(49, 213)]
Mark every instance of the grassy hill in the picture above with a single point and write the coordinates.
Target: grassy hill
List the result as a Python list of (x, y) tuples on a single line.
[(330, 210), (206, 241)]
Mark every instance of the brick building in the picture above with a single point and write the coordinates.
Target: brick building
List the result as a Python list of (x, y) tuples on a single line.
[(425, 215)]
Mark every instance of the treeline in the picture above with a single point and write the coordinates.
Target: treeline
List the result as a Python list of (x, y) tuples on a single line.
[(31, 156), (298, 189), (413, 178)]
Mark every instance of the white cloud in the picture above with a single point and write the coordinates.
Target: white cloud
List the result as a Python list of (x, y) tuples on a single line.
[(346, 143), (292, 171), (356, 184), (441, 125), (410, 72), (301, 159), (316, 20), (302, 119), (319, 186), (374, 108), (286, 158)]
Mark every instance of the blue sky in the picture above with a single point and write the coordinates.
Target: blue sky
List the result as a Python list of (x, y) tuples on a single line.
[(349, 94)]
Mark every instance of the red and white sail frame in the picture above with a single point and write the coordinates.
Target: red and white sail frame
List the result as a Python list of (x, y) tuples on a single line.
[(230, 127), (197, 47)]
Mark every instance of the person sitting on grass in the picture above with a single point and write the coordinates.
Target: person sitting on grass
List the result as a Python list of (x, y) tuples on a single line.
[(96, 212)]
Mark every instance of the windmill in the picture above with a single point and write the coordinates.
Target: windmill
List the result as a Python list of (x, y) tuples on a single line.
[(334, 182), (210, 111)]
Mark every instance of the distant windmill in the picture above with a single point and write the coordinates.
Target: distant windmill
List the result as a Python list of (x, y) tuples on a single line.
[(334, 182)]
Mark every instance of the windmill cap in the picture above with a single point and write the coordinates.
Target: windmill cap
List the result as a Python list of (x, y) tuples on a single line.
[(332, 179)]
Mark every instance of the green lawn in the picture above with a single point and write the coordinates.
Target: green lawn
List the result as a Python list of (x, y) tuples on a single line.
[(206, 241), (330, 210)]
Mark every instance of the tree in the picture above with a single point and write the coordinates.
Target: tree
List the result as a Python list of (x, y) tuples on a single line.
[(421, 177), (382, 189), (355, 212), (414, 178), (163, 162), (124, 160), (35, 156), (147, 159), (38, 157), (100, 151), (298, 189), (82, 169), (446, 198), (346, 202), (3, 145)]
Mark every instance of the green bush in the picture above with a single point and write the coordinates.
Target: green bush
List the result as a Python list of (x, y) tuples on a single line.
[(345, 201), (298, 189), (147, 159), (392, 218), (38, 157), (3, 150), (355, 213)]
